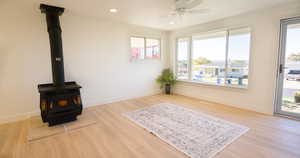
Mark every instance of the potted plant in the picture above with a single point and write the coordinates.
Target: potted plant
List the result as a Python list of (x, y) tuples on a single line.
[(166, 80), (297, 97)]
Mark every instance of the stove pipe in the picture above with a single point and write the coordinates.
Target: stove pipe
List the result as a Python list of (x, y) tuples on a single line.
[(54, 30)]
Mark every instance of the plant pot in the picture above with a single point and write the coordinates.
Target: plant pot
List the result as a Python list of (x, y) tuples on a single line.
[(297, 99), (167, 88)]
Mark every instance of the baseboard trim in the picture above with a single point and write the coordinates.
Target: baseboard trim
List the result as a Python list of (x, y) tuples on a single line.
[(182, 92), (118, 99), (18, 117), (24, 116)]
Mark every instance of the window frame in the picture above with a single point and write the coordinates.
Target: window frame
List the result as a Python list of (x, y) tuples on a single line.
[(145, 46), (190, 55), (189, 39)]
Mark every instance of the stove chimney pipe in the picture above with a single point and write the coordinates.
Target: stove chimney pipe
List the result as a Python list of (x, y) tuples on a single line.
[(54, 30)]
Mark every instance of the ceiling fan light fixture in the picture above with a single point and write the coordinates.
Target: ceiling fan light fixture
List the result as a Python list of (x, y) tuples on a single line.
[(184, 8), (113, 10)]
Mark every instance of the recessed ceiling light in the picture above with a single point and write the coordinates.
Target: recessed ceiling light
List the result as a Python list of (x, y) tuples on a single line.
[(113, 10), (172, 22)]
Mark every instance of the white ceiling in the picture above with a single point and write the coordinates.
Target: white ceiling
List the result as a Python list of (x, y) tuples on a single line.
[(150, 12)]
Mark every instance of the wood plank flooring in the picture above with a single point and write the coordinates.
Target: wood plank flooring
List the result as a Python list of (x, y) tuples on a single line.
[(116, 137)]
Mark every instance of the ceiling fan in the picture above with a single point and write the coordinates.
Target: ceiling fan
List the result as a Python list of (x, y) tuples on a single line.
[(183, 7)]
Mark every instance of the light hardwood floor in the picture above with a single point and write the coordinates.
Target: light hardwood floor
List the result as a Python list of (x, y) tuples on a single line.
[(116, 137)]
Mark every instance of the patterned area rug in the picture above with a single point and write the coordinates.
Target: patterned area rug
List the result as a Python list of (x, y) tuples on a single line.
[(196, 134)]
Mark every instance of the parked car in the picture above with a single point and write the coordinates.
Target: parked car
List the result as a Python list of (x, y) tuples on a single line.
[(235, 75), (293, 75)]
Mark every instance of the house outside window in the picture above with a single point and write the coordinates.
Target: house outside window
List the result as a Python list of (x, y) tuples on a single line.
[(145, 48), (219, 58)]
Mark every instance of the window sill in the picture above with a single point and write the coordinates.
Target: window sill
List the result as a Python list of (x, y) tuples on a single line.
[(213, 85), (146, 59)]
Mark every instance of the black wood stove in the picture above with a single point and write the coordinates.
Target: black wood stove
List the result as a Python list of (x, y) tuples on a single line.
[(60, 101)]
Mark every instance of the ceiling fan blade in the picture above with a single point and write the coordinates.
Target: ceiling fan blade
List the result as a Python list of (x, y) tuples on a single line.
[(187, 4), (170, 15), (198, 11)]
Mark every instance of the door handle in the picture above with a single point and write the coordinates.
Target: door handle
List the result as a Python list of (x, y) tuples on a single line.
[(281, 68)]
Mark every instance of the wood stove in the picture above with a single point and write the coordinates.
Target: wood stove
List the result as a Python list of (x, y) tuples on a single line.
[(60, 101)]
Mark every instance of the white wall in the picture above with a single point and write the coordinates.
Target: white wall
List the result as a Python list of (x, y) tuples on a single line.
[(96, 53), (265, 26)]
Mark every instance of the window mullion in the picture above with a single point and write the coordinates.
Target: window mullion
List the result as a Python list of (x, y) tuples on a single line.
[(226, 56), (145, 47), (190, 54), (176, 58)]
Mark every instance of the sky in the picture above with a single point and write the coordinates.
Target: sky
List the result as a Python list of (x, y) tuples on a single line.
[(211, 49), (183, 47), (239, 46), (214, 48), (293, 41)]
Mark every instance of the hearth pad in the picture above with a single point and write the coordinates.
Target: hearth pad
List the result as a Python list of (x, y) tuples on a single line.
[(38, 130)]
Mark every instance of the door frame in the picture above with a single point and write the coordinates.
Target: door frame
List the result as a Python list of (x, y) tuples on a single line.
[(280, 67)]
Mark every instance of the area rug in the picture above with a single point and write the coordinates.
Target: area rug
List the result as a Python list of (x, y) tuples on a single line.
[(196, 134)]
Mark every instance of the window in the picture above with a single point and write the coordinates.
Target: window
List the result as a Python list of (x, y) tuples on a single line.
[(153, 48), (238, 57), (137, 48), (208, 58), (220, 58), (182, 58), (145, 48)]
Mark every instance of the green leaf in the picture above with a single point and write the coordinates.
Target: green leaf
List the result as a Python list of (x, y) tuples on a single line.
[(166, 77)]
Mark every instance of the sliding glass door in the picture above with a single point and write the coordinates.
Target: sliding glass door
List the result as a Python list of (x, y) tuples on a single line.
[(288, 84)]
